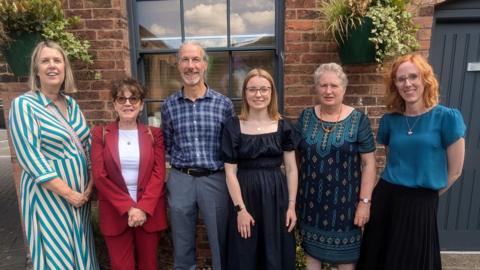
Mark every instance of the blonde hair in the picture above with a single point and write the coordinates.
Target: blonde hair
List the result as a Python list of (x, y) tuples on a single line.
[(272, 107), (68, 85), (395, 102)]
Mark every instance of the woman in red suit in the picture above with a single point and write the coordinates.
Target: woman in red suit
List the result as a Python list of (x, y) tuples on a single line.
[(128, 165)]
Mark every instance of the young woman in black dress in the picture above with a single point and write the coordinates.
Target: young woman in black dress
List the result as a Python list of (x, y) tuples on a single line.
[(255, 145)]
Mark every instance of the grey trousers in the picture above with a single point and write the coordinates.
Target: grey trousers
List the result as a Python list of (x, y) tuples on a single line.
[(186, 195)]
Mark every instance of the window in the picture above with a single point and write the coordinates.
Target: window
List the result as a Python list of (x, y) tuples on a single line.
[(238, 36)]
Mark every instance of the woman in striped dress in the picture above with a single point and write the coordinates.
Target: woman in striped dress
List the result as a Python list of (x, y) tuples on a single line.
[(51, 140)]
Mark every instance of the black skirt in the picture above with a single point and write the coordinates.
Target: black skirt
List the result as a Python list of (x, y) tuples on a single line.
[(402, 232)]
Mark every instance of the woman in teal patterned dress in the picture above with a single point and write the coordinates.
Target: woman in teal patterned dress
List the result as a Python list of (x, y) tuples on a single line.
[(337, 173), (51, 139)]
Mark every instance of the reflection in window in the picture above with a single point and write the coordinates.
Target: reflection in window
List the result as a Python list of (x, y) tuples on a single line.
[(243, 62), (159, 24), (237, 38), (206, 22), (252, 23)]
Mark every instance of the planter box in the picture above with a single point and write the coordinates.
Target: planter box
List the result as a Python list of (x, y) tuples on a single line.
[(18, 52), (356, 48)]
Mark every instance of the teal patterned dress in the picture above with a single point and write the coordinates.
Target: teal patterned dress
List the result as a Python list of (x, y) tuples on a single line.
[(329, 184), (59, 235)]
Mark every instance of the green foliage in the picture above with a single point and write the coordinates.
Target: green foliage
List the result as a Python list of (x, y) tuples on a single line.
[(393, 32), (343, 15), (45, 17)]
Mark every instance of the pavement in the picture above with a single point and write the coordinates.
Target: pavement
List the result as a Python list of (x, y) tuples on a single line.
[(12, 246)]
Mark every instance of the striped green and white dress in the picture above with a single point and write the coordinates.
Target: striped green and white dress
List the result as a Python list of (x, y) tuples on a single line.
[(59, 235)]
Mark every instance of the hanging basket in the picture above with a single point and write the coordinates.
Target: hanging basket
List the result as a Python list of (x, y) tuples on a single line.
[(356, 48), (18, 52)]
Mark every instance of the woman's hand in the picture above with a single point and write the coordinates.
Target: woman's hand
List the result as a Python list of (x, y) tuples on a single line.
[(244, 221), (362, 215), (89, 190), (136, 217), (291, 218), (76, 199)]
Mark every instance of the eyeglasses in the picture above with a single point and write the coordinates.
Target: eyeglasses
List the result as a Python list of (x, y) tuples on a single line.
[(122, 100), (263, 90), (412, 78)]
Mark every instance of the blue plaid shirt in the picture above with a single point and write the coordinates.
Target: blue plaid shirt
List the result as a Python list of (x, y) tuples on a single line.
[(192, 130)]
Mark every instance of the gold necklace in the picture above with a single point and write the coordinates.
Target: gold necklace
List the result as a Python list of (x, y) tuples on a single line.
[(327, 129)]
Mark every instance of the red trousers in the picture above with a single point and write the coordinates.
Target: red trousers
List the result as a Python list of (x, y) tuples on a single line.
[(133, 247)]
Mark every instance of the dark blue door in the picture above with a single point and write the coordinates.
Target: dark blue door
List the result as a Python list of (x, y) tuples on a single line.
[(455, 55)]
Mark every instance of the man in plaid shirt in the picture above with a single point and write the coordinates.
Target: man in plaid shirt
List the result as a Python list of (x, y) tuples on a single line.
[(192, 120)]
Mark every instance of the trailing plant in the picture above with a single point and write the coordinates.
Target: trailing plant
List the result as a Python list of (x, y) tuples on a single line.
[(342, 15), (41, 16), (393, 31)]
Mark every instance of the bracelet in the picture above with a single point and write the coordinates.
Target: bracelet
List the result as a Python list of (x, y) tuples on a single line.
[(291, 201)]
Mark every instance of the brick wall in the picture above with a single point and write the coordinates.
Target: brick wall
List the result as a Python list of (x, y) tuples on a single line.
[(104, 23), (307, 46)]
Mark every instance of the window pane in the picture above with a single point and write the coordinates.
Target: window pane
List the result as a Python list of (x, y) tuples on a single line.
[(161, 75), (159, 24), (153, 113), (206, 22), (252, 23), (217, 74), (243, 62)]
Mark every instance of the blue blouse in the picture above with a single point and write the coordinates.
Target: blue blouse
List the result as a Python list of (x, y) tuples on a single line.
[(419, 159)]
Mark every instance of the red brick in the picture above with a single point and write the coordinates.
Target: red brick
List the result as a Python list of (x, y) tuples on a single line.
[(297, 47), (317, 58), (423, 22), (92, 105), (116, 34), (292, 58), (106, 13), (298, 90), (103, 64), (299, 69), (369, 101), (426, 11), (298, 25), (94, 115), (84, 74), (113, 75), (108, 54), (86, 34), (102, 44), (291, 79), (82, 13), (290, 14), (372, 78), (358, 89), (424, 34), (293, 112), (299, 101), (88, 95), (73, 4), (98, 3), (101, 85), (308, 14), (299, 3), (292, 37), (99, 24)]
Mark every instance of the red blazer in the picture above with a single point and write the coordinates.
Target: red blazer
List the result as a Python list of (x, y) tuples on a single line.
[(113, 198)]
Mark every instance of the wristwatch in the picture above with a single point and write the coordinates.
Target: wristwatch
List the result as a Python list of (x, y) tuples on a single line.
[(365, 200), (238, 208)]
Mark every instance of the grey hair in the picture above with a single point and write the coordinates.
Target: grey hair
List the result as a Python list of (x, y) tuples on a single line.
[(68, 85), (195, 43), (334, 68)]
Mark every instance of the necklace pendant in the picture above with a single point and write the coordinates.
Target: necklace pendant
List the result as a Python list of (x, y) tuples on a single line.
[(409, 132), (128, 143)]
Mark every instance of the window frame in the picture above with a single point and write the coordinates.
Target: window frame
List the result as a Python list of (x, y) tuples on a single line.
[(137, 52)]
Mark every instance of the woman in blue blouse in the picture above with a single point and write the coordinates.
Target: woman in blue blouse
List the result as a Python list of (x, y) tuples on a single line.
[(425, 152), (337, 173)]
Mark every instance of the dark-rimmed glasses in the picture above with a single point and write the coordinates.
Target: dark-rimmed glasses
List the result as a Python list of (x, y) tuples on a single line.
[(122, 100)]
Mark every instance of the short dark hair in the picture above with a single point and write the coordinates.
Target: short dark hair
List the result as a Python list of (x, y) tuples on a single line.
[(128, 84)]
